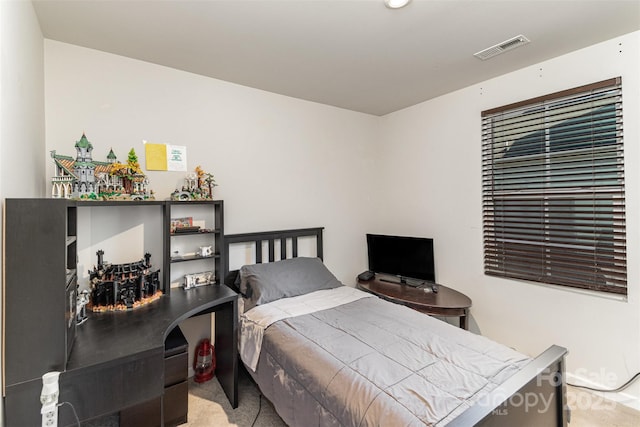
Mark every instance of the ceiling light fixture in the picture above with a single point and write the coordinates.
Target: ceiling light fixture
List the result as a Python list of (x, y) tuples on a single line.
[(396, 4)]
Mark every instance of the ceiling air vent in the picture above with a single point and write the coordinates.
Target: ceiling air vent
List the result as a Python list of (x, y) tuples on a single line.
[(506, 45)]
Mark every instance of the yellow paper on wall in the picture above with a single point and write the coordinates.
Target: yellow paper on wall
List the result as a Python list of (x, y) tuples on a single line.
[(156, 155)]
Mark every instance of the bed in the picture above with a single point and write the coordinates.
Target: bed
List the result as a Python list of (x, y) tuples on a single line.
[(327, 354)]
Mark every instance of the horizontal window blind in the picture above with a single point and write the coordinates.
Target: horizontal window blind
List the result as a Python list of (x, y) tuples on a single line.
[(553, 189)]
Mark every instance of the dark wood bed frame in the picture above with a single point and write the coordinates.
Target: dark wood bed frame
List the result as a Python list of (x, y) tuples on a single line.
[(535, 396)]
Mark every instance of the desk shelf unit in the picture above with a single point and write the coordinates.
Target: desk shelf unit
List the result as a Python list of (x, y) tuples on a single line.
[(40, 287), (209, 215)]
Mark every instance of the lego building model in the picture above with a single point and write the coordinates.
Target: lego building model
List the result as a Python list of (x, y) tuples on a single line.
[(198, 186), (85, 178), (117, 287)]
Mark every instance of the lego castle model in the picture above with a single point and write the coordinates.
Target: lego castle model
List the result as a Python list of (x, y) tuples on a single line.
[(117, 287), (85, 178)]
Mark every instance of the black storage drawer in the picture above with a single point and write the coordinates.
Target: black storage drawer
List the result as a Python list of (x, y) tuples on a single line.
[(175, 343), (146, 414), (176, 369), (175, 401), (175, 404)]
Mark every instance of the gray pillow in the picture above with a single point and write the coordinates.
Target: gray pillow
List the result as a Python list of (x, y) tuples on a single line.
[(263, 283)]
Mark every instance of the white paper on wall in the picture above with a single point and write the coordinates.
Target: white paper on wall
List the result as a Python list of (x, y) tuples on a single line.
[(176, 158)]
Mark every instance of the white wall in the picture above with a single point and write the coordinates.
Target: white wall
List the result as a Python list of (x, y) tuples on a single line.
[(280, 162), (22, 152), (432, 187), (21, 108)]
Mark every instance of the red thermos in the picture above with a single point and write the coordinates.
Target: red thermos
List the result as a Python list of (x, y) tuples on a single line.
[(204, 362)]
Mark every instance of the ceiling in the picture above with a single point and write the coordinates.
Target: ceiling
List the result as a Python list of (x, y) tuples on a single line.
[(353, 54)]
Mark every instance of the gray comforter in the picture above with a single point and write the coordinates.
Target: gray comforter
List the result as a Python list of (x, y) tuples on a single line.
[(374, 363)]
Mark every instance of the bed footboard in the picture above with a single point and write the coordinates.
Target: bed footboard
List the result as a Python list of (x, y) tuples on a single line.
[(535, 396)]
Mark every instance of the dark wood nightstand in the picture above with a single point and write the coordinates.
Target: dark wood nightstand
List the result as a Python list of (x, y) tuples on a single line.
[(446, 302)]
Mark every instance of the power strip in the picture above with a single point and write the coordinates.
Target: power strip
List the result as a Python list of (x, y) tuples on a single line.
[(49, 399), (49, 415)]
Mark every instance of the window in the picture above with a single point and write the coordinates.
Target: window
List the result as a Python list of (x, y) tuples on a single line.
[(553, 189)]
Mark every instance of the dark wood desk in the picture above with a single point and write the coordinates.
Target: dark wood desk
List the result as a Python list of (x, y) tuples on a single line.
[(446, 302), (117, 359)]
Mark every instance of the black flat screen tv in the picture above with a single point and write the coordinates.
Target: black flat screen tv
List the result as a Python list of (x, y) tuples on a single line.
[(404, 257)]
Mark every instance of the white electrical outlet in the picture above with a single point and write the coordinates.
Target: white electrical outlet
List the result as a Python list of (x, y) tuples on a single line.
[(49, 399), (50, 417)]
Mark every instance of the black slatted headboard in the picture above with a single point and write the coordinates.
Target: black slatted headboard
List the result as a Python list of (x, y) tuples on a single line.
[(271, 237)]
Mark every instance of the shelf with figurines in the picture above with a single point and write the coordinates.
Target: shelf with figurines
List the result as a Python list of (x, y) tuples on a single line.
[(203, 252), (193, 230), (185, 226), (196, 280)]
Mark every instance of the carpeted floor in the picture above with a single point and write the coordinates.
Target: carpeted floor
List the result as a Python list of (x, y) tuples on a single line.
[(209, 406)]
